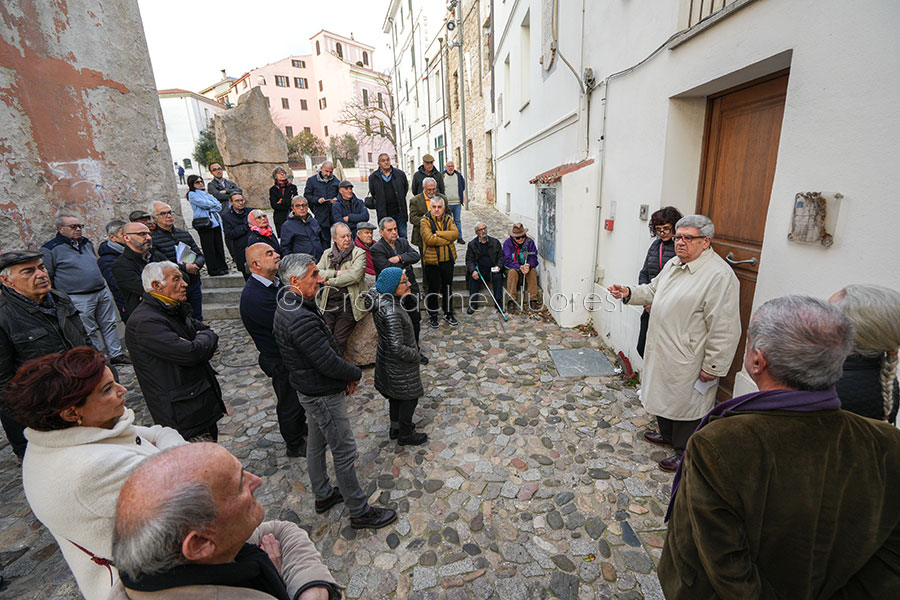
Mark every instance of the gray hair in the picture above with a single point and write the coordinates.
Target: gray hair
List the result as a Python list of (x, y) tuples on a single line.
[(438, 199), (479, 224), (155, 271), (804, 340), (384, 154), (327, 162), (153, 545), (429, 180), (276, 170), (875, 313), (114, 226), (61, 219), (701, 222), (337, 225), (385, 221), (151, 208), (294, 265)]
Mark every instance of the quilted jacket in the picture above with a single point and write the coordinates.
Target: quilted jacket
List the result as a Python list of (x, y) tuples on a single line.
[(308, 348), (397, 358)]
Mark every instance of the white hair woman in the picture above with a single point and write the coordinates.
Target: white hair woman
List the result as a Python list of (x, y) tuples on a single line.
[(869, 386)]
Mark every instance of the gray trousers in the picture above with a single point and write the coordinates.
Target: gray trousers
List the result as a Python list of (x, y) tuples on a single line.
[(98, 313), (328, 422)]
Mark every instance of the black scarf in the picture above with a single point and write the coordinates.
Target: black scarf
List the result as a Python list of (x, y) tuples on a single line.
[(251, 569)]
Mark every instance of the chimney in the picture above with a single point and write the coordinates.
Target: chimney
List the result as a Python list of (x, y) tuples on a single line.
[(223, 74)]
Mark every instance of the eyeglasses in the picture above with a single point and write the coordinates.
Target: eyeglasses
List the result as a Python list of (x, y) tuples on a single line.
[(216, 169), (518, 237), (663, 229), (687, 238), (477, 229), (75, 226), (164, 213)]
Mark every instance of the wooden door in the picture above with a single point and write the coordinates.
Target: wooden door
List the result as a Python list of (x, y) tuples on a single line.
[(743, 126)]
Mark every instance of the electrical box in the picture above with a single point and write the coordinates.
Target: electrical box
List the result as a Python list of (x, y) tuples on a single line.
[(608, 224), (645, 212)]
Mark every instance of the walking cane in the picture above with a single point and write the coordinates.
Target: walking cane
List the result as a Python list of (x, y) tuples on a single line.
[(490, 293)]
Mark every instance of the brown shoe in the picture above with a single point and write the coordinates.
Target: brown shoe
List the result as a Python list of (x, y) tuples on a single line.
[(655, 437), (670, 464)]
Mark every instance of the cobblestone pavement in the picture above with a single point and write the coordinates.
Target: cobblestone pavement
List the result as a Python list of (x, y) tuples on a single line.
[(531, 486)]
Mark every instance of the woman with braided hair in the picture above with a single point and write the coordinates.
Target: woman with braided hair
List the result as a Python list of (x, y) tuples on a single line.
[(869, 386)]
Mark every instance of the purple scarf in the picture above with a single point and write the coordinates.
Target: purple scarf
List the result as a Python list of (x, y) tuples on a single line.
[(791, 400)]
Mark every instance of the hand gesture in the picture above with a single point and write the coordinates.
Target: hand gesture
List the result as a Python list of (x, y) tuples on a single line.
[(619, 291), (192, 268)]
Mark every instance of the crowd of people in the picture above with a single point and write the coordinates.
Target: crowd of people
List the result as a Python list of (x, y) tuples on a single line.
[(153, 511)]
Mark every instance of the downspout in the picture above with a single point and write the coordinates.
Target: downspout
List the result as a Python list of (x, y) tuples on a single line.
[(398, 130)]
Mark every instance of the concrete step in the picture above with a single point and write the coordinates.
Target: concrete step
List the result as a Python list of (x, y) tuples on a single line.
[(458, 269)]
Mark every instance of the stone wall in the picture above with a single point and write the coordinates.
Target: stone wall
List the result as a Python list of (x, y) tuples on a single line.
[(81, 130), (476, 60), (251, 146)]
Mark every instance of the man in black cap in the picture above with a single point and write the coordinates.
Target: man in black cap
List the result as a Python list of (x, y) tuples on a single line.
[(35, 321), (427, 169), (143, 217), (349, 209)]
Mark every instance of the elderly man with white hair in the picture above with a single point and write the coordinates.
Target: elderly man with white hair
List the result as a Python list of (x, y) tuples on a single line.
[(166, 238), (171, 353), (692, 337)]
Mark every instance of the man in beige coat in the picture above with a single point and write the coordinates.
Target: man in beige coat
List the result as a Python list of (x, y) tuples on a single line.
[(343, 267), (692, 337), (188, 528)]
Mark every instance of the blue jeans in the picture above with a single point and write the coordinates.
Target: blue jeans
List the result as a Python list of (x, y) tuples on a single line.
[(195, 298), (401, 227), (456, 211), (328, 422)]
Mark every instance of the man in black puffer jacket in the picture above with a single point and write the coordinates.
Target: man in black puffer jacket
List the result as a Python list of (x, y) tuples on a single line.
[(171, 353), (34, 321), (397, 375), (322, 380)]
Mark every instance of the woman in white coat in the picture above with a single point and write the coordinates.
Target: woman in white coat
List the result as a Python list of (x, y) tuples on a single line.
[(692, 337), (82, 445)]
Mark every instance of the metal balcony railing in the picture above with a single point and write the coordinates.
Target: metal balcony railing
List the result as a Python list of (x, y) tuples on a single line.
[(702, 9)]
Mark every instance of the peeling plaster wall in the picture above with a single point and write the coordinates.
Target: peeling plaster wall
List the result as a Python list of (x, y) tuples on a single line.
[(81, 128)]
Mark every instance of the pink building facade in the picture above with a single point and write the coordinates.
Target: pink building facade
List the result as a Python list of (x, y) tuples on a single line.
[(310, 92)]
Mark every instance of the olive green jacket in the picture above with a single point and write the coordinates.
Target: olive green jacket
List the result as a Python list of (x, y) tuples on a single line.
[(786, 505)]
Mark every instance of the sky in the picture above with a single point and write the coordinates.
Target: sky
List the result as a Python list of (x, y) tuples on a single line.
[(239, 35)]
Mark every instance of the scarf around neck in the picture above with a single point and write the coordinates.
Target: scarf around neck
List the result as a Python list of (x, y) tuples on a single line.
[(251, 569), (323, 179), (338, 257), (788, 400), (282, 185), (266, 231)]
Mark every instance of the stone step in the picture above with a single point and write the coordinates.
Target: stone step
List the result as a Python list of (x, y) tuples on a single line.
[(222, 295), (232, 280), (458, 269), (218, 312)]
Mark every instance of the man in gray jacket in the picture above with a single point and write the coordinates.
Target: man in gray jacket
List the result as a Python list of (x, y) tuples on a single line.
[(72, 266)]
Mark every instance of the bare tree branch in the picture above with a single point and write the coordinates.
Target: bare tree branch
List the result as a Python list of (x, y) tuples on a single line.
[(372, 121)]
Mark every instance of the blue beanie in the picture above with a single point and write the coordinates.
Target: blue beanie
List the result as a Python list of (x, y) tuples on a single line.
[(388, 280)]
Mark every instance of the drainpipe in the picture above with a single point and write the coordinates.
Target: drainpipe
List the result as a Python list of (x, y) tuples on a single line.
[(398, 130), (464, 149)]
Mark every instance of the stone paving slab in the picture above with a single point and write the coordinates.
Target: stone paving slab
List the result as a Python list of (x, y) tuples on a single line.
[(532, 485)]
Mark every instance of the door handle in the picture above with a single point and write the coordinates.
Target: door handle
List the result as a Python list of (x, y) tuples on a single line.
[(750, 261)]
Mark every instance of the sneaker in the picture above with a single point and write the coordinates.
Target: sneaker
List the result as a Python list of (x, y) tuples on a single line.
[(122, 359), (334, 498), (451, 319), (374, 518), (416, 438), (470, 310), (423, 360), (434, 322)]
